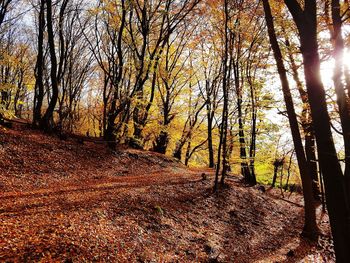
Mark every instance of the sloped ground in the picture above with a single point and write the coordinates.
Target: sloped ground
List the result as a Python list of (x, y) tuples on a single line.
[(67, 202)]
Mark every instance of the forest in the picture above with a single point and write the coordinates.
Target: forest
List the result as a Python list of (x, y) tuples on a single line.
[(175, 131)]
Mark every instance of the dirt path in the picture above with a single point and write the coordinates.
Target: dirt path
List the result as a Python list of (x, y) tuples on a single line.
[(25, 202)]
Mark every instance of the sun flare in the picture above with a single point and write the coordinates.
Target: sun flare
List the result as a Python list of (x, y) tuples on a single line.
[(327, 68)]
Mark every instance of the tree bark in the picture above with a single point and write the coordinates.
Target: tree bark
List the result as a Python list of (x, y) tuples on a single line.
[(39, 68), (245, 171), (47, 119), (252, 148), (336, 198), (161, 142), (223, 128), (306, 123), (342, 97), (310, 226), (210, 140), (114, 111)]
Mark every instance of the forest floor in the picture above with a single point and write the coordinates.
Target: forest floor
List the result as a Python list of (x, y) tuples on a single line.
[(68, 202)]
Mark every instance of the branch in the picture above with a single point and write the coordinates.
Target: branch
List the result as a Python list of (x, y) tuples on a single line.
[(296, 11)]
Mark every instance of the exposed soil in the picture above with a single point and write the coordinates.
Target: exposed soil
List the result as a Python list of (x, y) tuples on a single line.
[(70, 202)]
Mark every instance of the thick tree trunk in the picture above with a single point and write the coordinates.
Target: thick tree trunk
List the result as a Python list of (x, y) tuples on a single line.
[(306, 123), (140, 115), (47, 119), (110, 133), (181, 143), (336, 197), (124, 105), (342, 97), (310, 226), (39, 68), (178, 149), (138, 126), (161, 142), (337, 202)]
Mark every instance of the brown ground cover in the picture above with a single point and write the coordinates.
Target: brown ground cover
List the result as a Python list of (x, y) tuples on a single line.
[(62, 201)]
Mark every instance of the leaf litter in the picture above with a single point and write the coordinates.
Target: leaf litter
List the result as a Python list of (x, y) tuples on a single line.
[(64, 201)]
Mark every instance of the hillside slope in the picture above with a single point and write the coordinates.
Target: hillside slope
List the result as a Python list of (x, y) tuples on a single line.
[(70, 202)]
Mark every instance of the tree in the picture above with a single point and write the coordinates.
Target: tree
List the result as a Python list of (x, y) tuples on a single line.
[(243, 64), (193, 120), (39, 67), (342, 98), (4, 8), (108, 29), (310, 225), (74, 67), (336, 195), (306, 123), (148, 39), (210, 92), (15, 64), (170, 83), (222, 149), (210, 68), (46, 122)]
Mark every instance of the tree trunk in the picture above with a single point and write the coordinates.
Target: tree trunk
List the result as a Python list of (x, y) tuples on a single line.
[(39, 68), (138, 125), (242, 143), (223, 131), (336, 197), (47, 119), (161, 142), (306, 123), (114, 111), (210, 139), (110, 133), (342, 98), (275, 173), (252, 148), (310, 226), (312, 164), (180, 144), (245, 171), (226, 88), (188, 152)]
